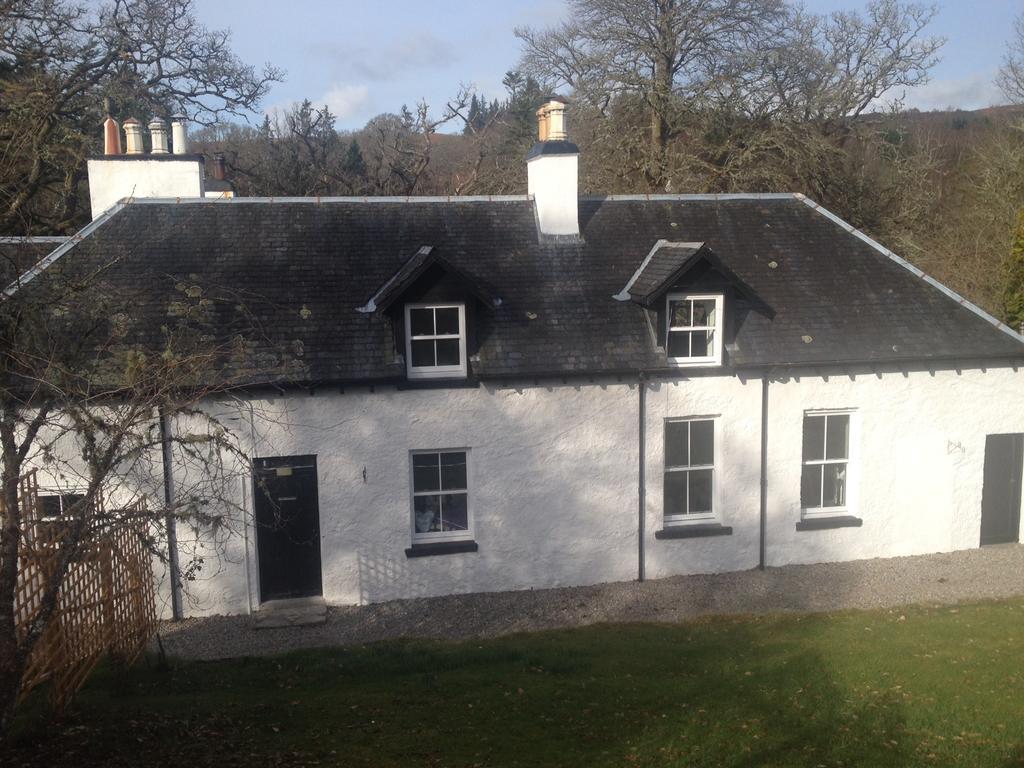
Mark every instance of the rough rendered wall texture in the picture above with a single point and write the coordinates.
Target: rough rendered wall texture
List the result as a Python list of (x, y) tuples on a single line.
[(553, 478), (552, 489), (922, 453)]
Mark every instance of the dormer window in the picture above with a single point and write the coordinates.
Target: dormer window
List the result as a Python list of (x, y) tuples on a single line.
[(694, 329), (435, 340)]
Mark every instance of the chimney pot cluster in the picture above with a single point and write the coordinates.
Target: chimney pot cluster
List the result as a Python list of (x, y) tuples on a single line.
[(133, 139), (551, 120)]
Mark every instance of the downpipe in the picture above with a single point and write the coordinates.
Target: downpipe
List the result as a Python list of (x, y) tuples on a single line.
[(764, 471), (642, 494), (171, 527)]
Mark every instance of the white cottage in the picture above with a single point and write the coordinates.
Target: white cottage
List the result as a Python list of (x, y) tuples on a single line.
[(497, 393)]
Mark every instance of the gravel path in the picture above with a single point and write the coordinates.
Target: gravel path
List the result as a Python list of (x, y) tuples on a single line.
[(992, 572)]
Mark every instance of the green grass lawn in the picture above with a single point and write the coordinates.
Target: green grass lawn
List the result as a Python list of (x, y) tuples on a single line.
[(922, 686)]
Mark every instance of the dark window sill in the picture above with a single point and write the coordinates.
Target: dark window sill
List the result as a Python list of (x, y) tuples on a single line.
[(455, 382), (827, 523), (441, 548), (693, 531)]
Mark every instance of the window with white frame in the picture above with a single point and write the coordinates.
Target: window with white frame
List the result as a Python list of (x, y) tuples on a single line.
[(54, 504), (689, 487), (694, 329), (435, 340), (440, 496), (824, 481)]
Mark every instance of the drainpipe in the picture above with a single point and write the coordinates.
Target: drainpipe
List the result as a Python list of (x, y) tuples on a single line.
[(764, 468), (642, 500), (172, 534)]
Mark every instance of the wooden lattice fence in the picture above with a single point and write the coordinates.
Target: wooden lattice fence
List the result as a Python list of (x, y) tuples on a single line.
[(106, 604)]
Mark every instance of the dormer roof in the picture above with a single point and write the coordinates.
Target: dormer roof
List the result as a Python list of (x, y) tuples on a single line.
[(669, 263), (417, 265)]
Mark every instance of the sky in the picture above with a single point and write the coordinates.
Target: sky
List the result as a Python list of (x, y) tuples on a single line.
[(362, 58)]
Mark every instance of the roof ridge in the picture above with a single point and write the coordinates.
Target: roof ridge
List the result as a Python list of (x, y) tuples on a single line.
[(916, 271), (371, 199)]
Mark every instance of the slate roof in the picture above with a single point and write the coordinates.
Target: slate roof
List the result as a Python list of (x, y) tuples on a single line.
[(306, 267)]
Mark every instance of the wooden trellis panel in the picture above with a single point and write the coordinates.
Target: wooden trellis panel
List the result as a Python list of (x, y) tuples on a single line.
[(106, 604)]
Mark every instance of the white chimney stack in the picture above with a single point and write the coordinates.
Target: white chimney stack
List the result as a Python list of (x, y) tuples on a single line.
[(552, 170), (179, 135), (158, 135), (133, 137), (114, 176)]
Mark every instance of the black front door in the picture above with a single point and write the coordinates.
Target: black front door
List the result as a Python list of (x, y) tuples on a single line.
[(1000, 496), (287, 527)]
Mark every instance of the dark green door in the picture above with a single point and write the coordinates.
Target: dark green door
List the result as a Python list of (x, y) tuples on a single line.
[(1000, 496), (287, 527)]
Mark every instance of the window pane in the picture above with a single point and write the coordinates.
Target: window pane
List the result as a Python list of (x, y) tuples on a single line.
[(810, 487), (700, 490), (700, 345), (50, 506), (814, 438), (427, 513), (448, 352), (702, 443), (422, 353), (453, 471), (447, 320), (70, 499), (675, 493), (421, 322), (677, 454), (834, 493), (426, 475), (678, 344), (679, 314), (455, 512), (704, 312), (838, 437)]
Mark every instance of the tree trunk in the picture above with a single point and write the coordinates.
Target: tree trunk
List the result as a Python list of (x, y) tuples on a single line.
[(12, 664)]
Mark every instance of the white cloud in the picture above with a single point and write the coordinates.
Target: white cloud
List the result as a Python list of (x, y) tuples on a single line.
[(418, 51), (346, 101), (974, 91)]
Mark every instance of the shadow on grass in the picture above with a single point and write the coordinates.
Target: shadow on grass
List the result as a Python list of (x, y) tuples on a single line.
[(724, 692)]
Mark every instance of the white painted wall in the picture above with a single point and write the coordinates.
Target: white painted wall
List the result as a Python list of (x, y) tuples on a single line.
[(922, 453), (111, 180), (553, 479), (553, 180), (552, 489)]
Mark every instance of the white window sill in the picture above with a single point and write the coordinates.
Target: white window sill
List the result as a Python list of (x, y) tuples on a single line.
[(686, 362)]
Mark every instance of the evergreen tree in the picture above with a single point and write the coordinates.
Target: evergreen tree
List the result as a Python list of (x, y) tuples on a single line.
[(354, 165), (1013, 293)]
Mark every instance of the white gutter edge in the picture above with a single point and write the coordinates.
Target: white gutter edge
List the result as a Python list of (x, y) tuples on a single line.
[(912, 269)]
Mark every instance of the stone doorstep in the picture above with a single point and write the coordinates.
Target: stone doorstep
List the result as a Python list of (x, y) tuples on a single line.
[(300, 612)]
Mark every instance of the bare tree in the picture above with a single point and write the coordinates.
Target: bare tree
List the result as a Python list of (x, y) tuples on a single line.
[(91, 391), (59, 58), (1011, 75), (670, 53), (827, 70)]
